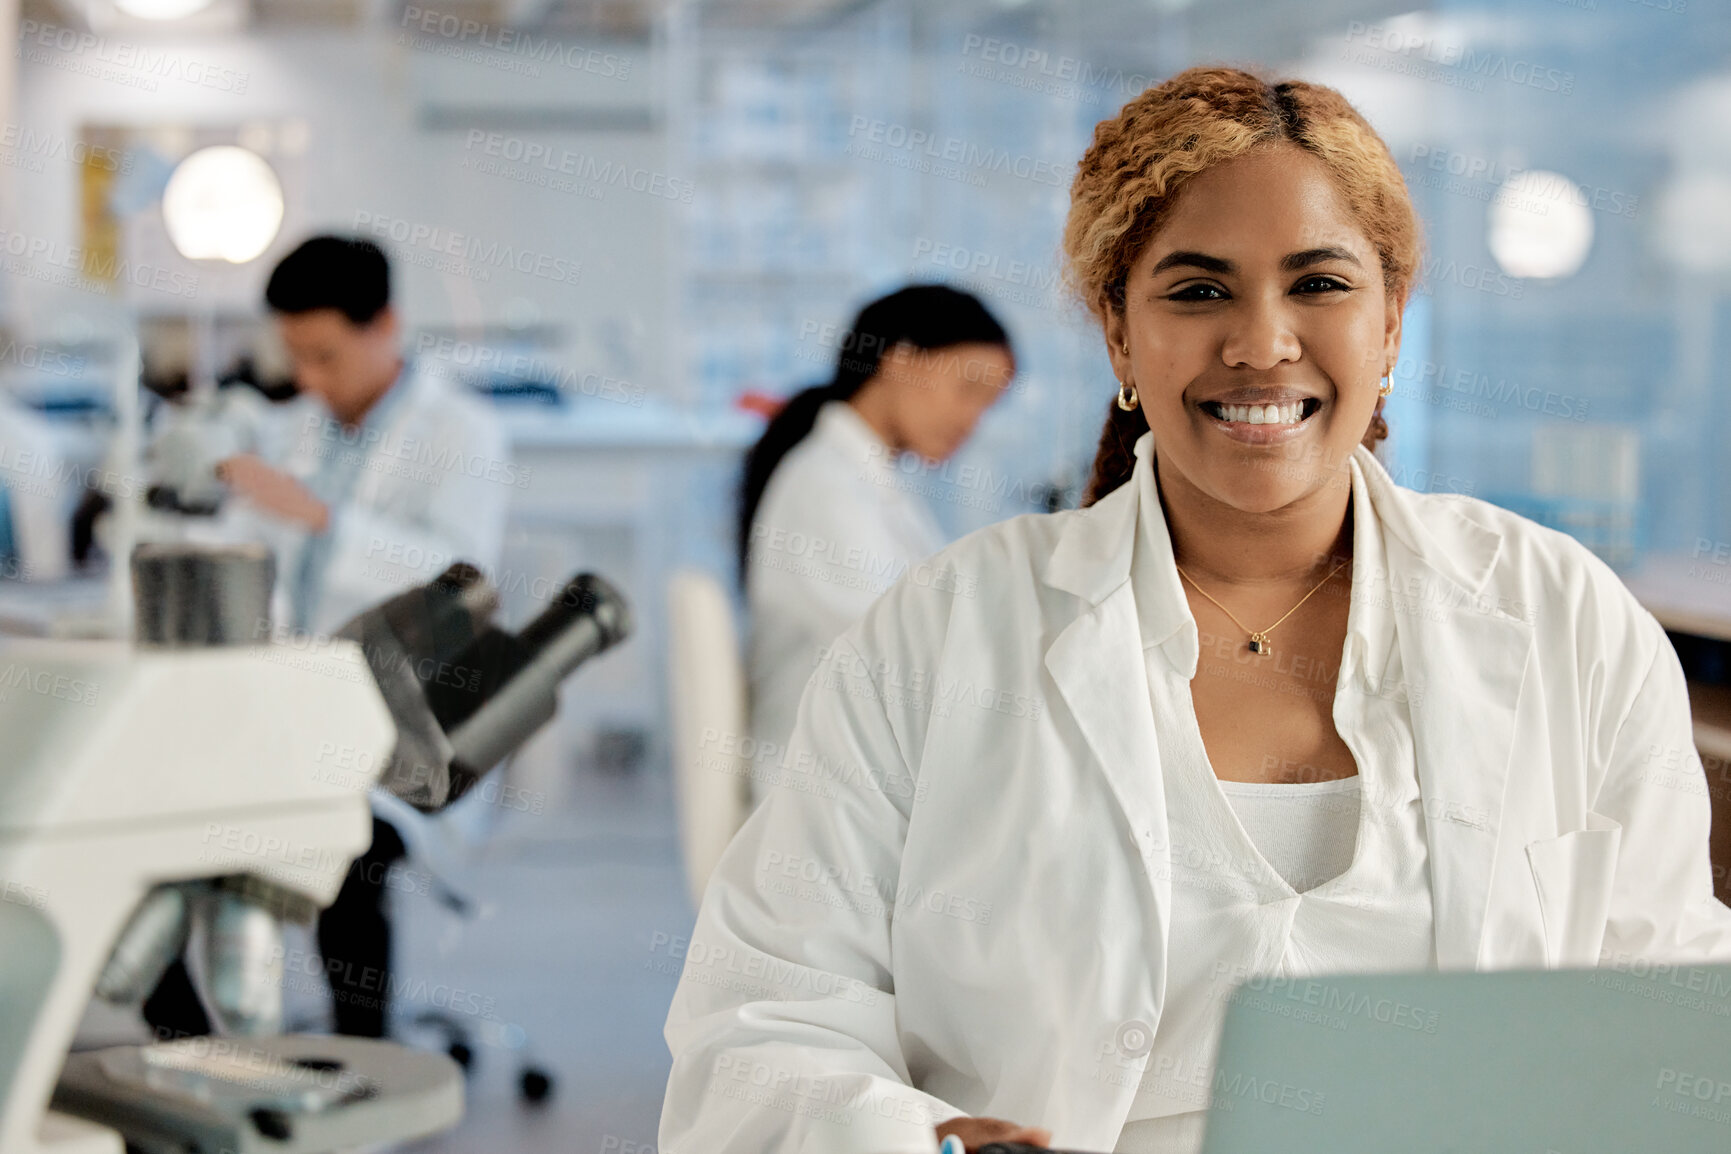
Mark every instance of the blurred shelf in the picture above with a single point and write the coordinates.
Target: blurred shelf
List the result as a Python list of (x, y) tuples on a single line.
[(1686, 594)]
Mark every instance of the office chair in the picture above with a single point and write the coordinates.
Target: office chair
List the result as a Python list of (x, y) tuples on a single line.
[(707, 692)]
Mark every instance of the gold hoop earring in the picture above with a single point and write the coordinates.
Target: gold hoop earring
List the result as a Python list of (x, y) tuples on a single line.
[(1127, 398), (1387, 386)]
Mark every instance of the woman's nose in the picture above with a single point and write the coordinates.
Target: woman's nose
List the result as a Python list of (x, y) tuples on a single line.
[(1261, 336)]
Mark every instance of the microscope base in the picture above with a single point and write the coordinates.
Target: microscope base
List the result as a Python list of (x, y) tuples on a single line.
[(296, 1094), (64, 1134)]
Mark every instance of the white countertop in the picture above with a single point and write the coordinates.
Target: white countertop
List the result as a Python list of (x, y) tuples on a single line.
[(651, 424)]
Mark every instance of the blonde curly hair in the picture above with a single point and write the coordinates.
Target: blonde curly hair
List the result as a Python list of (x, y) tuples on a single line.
[(1141, 159)]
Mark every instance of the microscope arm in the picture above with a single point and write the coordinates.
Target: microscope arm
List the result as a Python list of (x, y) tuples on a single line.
[(464, 694)]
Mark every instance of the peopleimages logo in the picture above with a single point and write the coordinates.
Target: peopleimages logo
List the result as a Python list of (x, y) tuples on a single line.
[(1462, 61), (1038, 70), (135, 65), (509, 42), (1044, 281), (42, 259), (540, 159), (470, 255), (26, 148), (1477, 277), (869, 137), (42, 359), (1534, 191), (477, 363), (45, 683)]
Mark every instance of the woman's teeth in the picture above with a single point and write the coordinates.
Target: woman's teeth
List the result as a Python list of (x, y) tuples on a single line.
[(1288, 414)]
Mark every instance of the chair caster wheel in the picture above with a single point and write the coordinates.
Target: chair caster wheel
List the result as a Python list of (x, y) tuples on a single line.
[(535, 1084)]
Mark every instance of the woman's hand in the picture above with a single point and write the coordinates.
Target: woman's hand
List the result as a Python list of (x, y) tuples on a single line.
[(976, 1132)]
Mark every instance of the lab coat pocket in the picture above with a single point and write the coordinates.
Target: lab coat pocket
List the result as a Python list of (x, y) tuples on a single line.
[(1574, 875)]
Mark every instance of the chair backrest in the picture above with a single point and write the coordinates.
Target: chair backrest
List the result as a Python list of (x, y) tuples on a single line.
[(707, 697)]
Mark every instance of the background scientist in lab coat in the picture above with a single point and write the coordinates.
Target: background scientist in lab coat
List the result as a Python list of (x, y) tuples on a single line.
[(1458, 742), (826, 522), (395, 472), (394, 475)]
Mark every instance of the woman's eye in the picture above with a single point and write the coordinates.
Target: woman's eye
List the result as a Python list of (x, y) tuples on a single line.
[(1320, 284), (1198, 292)]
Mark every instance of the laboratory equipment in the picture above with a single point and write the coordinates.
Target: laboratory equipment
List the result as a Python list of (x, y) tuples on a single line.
[(215, 773), (193, 436)]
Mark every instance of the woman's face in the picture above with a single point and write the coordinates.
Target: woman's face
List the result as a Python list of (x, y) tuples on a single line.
[(1259, 289), (935, 397)]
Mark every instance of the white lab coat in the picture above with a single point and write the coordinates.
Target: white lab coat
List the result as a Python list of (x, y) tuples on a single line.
[(435, 488), (839, 522), (987, 765)]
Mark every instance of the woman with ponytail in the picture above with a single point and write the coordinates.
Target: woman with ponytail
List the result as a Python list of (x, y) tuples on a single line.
[(826, 522), (1256, 713)]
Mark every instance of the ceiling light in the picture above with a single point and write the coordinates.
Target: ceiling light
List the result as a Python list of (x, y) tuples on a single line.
[(1540, 225), (222, 203), (161, 9)]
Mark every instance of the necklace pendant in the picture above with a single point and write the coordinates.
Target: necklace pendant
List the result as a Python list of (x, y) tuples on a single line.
[(1258, 643)]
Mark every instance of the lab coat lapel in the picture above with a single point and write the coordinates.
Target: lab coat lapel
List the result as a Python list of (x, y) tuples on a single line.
[(1098, 666), (1466, 664), (404, 402)]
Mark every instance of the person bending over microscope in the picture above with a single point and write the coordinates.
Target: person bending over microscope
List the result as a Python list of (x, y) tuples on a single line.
[(394, 473)]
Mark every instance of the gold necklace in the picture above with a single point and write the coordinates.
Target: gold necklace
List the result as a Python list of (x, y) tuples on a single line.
[(1259, 638)]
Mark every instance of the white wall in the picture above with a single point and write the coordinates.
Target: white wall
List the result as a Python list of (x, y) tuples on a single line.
[(361, 97)]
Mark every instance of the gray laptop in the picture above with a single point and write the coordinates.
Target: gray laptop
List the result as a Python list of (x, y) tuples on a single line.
[(1564, 1062)]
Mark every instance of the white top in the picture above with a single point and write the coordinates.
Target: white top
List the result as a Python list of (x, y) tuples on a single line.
[(1306, 831), (1278, 880), (837, 525)]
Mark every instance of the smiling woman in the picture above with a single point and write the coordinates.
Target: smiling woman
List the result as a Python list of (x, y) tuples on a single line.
[(1289, 721), (1163, 144)]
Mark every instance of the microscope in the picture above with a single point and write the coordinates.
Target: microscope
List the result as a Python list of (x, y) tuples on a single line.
[(183, 791)]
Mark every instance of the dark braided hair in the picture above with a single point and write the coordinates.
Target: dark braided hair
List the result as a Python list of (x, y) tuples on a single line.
[(926, 316)]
